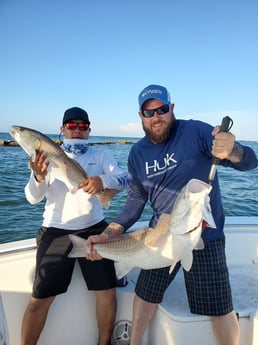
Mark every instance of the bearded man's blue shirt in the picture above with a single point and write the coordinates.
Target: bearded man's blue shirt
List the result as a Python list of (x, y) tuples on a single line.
[(158, 172)]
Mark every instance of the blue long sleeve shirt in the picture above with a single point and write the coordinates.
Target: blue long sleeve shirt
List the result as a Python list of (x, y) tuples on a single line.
[(158, 172)]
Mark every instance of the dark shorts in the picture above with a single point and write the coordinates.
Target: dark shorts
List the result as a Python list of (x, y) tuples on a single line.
[(54, 269), (207, 283)]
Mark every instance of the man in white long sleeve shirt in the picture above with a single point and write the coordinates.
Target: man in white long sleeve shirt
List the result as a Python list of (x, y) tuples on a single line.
[(80, 213)]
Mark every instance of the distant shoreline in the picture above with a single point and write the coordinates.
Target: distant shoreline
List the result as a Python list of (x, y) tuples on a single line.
[(13, 143)]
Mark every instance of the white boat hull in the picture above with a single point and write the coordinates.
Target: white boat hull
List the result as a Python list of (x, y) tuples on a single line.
[(71, 318)]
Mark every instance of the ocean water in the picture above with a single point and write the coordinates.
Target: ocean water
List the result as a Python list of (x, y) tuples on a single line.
[(20, 220)]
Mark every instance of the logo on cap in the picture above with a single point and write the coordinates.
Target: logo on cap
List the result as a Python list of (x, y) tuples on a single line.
[(154, 91), (151, 92)]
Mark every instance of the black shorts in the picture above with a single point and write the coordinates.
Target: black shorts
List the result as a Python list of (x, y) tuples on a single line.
[(207, 283), (54, 268)]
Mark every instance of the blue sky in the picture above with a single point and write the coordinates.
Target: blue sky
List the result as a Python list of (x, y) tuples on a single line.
[(100, 54)]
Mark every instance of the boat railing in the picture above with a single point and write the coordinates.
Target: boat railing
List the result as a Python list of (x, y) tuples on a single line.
[(17, 246)]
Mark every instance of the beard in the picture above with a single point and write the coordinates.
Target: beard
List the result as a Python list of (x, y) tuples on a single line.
[(161, 137)]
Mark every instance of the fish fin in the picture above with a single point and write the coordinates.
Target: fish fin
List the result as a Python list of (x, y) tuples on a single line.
[(200, 244), (172, 267), (74, 190), (106, 197), (33, 156), (163, 223), (187, 261), (122, 269), (79, 247)]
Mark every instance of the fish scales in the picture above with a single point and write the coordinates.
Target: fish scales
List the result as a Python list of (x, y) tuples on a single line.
[(74, 172), (127, 245)]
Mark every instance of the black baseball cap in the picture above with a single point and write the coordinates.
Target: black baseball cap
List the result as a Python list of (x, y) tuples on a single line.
[(75, 113)]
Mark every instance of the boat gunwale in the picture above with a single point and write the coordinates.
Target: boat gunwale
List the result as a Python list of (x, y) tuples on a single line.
[(232, 224)]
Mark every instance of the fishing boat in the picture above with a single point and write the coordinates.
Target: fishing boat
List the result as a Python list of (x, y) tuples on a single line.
[(71, 318)]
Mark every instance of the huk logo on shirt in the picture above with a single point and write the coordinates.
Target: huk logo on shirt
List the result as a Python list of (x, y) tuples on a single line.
[(161, 166)]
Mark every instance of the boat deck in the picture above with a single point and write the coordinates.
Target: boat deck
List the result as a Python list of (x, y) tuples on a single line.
[(244, 283), (173, 323)]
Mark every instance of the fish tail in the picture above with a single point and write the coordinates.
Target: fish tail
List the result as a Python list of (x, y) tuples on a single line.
[(79, 247), (106, 197)]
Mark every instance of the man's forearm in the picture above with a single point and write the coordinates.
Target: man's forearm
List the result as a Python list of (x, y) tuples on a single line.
[(237, 154), (114, 229)]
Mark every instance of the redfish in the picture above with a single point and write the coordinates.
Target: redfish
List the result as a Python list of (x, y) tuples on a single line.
[(173, 239), (60, 165)]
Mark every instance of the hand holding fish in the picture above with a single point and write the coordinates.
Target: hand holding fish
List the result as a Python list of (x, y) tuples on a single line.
[(39, 166), (92, 252), (112, 230), (92, 185)]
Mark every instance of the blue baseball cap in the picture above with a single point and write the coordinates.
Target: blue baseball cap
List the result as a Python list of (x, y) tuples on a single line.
[(154, 92)]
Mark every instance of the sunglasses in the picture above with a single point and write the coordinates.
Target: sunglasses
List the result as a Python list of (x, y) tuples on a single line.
[(161, 111), (73, 125)]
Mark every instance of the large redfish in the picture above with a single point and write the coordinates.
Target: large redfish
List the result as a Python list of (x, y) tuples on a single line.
[(173, 239), (60, 165)]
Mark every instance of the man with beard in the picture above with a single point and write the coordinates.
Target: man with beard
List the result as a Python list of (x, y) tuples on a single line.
[(159, 166)]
